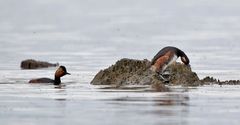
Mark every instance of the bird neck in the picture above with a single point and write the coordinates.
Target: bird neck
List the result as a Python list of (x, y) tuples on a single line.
[(57, 80)]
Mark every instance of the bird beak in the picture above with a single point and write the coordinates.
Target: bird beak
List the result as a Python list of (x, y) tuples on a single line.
[(68, 73)]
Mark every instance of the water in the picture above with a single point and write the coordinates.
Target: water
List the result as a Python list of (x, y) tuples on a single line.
[(83, 104), (86, 36)]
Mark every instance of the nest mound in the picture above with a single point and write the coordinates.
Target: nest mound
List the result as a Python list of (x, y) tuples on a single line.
[(183, 75), (137, 72), (33, 64)]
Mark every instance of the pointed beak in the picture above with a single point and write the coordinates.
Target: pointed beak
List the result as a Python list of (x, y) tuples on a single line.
[(68, 73)]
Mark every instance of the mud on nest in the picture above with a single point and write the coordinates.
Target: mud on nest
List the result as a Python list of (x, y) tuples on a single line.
[(137, 72)]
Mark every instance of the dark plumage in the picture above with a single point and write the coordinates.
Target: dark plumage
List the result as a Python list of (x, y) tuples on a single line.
[(178, 52), (166, 57), (61, 71)]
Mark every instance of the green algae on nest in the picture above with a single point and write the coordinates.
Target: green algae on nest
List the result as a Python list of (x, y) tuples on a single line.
[(124, 72), (211, 80), (137, 72), (183, 75)]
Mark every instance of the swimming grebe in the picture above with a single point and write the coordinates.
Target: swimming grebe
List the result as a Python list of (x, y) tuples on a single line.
[(61, 71), (166, 57)]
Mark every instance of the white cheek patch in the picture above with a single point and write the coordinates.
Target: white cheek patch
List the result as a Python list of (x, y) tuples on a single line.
[(174, 58)]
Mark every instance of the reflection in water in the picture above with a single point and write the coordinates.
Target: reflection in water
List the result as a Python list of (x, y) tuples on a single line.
[(61, 86), (173, 99), (60, 99), (60, 93), (169, 105), (162, 100), (82, 105)]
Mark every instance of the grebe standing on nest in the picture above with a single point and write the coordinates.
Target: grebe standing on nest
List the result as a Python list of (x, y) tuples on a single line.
[(166, 57), (61, 71)]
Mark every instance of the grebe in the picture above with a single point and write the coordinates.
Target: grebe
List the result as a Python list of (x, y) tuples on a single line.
[(61, 71), (166, 57)]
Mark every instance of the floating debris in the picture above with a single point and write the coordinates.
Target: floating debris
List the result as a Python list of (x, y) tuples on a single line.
[(33, 64)]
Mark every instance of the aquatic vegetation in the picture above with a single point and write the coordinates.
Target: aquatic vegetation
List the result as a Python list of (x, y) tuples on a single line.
[(137, 72), (34, 64)]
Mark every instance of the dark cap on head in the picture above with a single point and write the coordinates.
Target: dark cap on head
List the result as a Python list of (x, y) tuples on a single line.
[(61, 71), (65, 70)]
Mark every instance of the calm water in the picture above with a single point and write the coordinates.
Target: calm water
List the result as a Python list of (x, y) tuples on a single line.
[(86, 36)]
